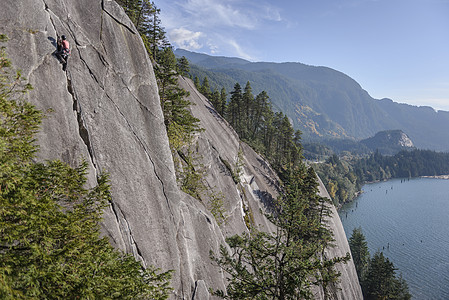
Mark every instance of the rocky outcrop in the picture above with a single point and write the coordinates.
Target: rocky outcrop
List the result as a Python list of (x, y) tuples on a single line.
[(105, 109), (389, 142)]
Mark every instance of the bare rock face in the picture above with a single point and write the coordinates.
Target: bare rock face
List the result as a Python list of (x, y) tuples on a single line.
[(105, 109), (349, 287)]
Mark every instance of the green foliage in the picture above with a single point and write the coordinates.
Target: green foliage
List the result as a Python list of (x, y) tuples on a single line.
[(255, 122), (343, 177), (323, 102), (283, 264), (377, 275), (359, 251), (216, 207), (235, 176), (205, 88), (191, 176), (222, 105), (50, 243), (145, 16), (339, 178), (381, 282), (183, 66), (316, 151), (179, 121), (404, 164)]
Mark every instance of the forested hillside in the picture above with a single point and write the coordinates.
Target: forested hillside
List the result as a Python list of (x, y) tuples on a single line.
[(344, 177), (323, 102)]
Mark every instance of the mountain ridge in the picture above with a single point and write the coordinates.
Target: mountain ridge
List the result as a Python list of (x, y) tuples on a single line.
[(305, 92)]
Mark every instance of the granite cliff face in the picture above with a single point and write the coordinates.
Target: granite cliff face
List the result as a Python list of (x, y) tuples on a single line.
[(106, 109)]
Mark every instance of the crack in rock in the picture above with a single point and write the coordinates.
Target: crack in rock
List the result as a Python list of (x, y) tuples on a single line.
[(117, 13), (135, 97), (125, 230), (82, 127), (145, 149)]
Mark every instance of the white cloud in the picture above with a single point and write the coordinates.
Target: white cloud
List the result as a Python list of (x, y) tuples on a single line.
[(229, 13), (218, 13), (272, 13), (240, 52), (216, 26), (213, 48), (186, 39)]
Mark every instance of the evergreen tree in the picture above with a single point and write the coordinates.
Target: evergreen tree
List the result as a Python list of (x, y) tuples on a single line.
[(215, 99), (179, 121), (285, 263), (234, 108), (145, 16), (381, 282), (359, 251), (134, 9), (155, 33), (205, 88), (247, 110), (377, 275), (261, 106), (223, 101), (183, 66), (196, 82)]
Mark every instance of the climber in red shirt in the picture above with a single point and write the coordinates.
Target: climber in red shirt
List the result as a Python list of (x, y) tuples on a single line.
[(63, 51)]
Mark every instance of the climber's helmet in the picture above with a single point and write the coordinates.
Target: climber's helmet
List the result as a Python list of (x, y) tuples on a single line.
[(63, 37)]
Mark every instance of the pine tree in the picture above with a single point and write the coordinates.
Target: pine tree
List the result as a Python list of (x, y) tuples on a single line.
[(205, 88), (196, 82), (179, 121), (359, 251), (215, 99), (283, 264), (145, 16), (247, 110), (261, 105), (234, 108), (379, 281), (183, 66), (155, 33), (223, 102)]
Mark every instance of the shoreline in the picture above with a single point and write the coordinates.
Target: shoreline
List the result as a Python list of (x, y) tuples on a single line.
[(437, 176), (358, 193)]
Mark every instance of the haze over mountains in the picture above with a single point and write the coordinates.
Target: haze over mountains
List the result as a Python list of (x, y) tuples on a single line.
[(322, 102)]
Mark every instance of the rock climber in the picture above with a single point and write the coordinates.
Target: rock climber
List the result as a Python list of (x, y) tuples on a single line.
[(63, 49)]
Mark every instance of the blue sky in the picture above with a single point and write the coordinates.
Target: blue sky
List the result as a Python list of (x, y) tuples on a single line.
[(396, 49)]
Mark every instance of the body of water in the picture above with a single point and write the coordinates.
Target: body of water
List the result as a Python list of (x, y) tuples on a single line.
[(409, 221)]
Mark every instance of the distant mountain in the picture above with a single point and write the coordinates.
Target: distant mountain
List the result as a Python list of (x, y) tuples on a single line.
[(389, 142), (322, 102)]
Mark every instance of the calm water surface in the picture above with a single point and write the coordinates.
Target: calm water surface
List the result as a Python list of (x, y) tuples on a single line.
[(409, 222)]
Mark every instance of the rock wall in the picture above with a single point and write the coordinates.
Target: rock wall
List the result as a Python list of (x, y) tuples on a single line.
[(105, 109)]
